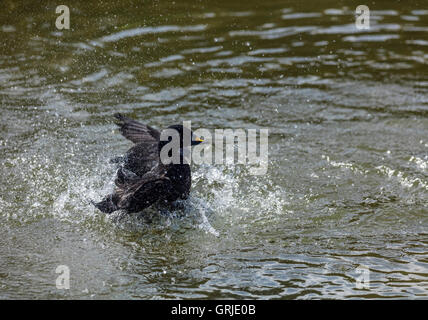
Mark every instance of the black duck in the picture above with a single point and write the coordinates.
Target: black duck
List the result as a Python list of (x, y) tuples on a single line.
[(142, 179)]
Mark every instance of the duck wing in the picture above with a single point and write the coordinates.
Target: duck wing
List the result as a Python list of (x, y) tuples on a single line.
[(142, 158), (136, 131), (125, 177)]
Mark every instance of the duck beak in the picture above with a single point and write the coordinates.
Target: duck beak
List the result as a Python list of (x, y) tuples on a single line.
[(197, 141)]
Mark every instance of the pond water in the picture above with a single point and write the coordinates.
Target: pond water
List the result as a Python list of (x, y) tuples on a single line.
[(342, 211)]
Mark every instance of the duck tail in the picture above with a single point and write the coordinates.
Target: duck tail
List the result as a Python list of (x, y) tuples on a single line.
[(107, 205)]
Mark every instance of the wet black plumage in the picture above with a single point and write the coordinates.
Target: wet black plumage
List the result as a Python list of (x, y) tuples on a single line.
[(142, 178)]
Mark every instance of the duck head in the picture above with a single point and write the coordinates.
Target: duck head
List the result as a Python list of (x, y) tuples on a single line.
[(177, 138)]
